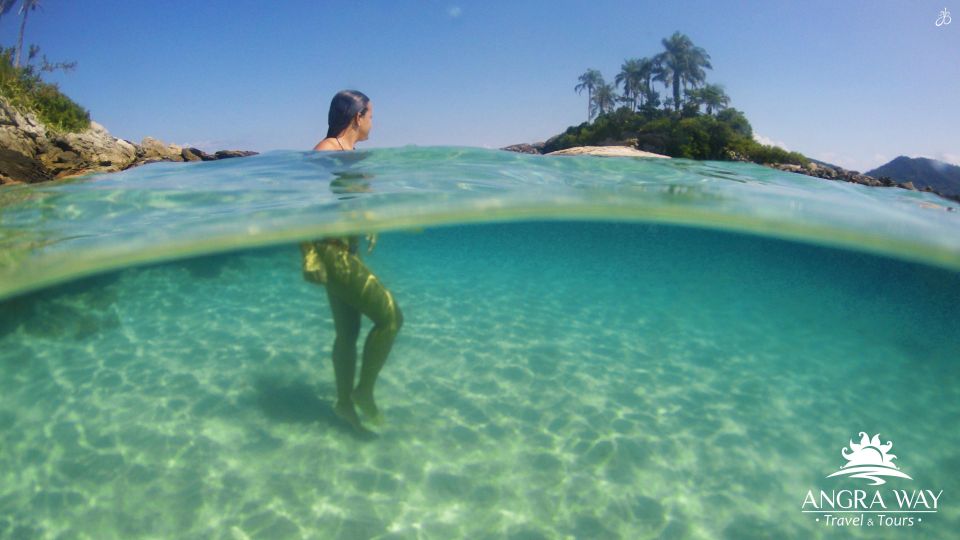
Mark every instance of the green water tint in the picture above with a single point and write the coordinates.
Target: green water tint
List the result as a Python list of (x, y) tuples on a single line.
[(552, 380), (56, 232)]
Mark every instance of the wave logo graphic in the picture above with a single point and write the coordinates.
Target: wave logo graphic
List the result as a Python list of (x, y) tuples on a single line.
[(944, 18), (870, 460)]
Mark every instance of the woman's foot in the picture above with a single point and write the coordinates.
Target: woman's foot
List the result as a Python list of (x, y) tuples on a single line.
[(364, 400), (348, 414)]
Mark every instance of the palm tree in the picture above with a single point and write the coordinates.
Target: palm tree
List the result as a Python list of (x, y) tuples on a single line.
[(647, 70), (662, 72), (711, 95), (589, 81), (25, 8), (694, 74), (681, 63), (604, 99), (631, 77)]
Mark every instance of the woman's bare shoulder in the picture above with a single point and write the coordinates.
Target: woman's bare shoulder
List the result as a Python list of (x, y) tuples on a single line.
[(326, 144)]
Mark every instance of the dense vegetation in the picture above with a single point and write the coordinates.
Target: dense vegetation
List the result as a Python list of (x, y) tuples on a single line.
[(23, 86), (675, 126)]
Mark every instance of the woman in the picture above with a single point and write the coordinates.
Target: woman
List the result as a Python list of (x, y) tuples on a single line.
[(351, 287)]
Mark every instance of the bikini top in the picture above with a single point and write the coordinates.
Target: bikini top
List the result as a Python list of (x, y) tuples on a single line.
[(351, 243)]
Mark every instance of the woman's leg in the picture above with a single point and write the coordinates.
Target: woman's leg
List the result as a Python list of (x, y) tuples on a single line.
[(346, 322), (352, 283), (387, 322)]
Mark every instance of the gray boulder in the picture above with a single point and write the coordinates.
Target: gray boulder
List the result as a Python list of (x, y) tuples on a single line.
[(225, 154), (153, 150), (20, 138), (93, 150), (195, 154), (524, 148)]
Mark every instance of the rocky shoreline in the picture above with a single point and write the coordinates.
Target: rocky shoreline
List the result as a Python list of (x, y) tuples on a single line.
[(31, 153), (810, 169)]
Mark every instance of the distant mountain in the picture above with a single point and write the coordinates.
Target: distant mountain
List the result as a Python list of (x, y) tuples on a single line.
[(940, 176)]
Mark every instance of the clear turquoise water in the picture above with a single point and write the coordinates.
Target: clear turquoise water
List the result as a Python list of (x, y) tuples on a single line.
[(592, 348)]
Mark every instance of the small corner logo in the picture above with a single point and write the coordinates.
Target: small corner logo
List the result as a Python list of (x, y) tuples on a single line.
[(944, 18), (869, 460)]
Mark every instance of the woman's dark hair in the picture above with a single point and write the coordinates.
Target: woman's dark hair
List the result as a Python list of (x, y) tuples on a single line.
[(343, 107)]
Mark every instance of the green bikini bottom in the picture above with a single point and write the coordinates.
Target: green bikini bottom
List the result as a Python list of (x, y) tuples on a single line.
[(331, 262)]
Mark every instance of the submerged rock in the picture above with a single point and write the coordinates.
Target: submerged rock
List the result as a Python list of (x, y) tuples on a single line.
[(31, 153)]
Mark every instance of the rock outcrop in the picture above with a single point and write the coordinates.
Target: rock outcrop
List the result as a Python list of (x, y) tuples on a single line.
[(31, 153), (523, 148), (841, 174), (844, 175)]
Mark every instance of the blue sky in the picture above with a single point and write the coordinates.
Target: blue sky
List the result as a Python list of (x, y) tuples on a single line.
[(855, 83)]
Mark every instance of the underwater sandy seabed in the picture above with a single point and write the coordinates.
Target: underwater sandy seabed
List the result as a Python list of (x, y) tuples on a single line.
[(551, 380)]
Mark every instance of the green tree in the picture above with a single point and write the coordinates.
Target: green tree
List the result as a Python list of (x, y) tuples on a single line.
[(737, 122), (631, 77), (647, 70), (711, 96), (589, 81), (604, 99), (23, 87), (681, 63), (651, 103)]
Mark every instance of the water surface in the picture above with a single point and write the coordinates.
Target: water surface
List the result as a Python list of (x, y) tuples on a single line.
[(688, 366)]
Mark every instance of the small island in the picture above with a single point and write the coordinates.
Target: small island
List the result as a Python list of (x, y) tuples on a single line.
[(691, 120)]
